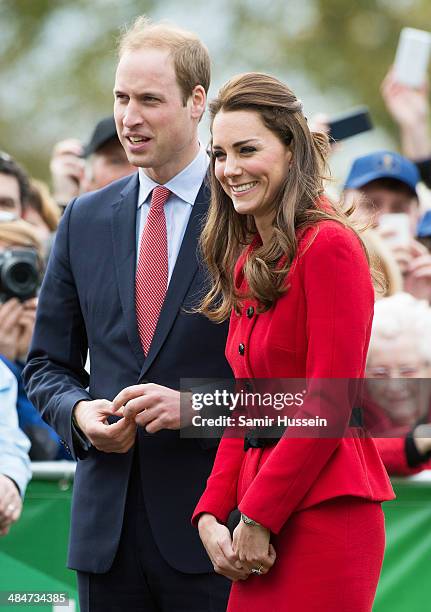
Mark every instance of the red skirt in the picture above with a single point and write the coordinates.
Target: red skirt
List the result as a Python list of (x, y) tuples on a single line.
[(329, 559)]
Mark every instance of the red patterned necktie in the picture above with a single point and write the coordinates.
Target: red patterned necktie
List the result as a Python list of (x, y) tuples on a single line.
[(152, 270)]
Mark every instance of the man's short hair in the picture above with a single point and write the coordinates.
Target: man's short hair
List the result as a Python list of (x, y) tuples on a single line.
[(10, 167), (190, 56)]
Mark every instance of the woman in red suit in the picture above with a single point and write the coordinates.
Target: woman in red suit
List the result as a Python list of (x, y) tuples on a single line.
[(311, 534)]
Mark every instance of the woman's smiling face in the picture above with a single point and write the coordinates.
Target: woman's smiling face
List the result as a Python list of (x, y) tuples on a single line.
[(251, 163)]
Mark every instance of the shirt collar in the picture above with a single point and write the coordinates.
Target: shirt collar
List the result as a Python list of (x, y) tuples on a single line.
[(185, 185)]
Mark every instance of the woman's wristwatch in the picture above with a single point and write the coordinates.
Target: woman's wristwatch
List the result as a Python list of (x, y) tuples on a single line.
[(248, 521)]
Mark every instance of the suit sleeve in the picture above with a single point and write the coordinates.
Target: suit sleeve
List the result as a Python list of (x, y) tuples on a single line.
[(54, 377), (339, 305)]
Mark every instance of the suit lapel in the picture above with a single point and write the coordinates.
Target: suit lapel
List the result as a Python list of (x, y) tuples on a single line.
[(184, 271), (123, 225)]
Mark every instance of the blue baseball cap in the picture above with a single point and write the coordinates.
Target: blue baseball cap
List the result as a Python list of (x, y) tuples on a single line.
[(424, 227), (382, 164)]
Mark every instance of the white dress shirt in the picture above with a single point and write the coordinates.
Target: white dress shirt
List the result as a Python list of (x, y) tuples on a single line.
[(184, 189)]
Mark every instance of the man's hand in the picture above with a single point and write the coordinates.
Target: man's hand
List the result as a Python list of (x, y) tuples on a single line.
[(153, 407), (414, 262), (10, 315), (218, 544), (10, 504), (417, 275), (67, 170), (91, 417), (251, 544), (409, 107), (26, 324)]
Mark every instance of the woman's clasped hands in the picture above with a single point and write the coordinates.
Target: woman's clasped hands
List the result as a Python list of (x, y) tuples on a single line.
[(248, 552)]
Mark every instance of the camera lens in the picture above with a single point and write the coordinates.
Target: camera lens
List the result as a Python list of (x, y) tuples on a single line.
[(22, 279), (19, 274)]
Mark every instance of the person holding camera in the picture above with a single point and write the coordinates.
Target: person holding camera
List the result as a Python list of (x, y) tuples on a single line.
[(20, 272)]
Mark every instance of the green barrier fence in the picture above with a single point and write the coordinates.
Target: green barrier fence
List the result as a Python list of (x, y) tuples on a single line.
[(33, 555)]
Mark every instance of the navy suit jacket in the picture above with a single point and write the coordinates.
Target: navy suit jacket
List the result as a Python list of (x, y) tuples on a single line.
[(87, 301)]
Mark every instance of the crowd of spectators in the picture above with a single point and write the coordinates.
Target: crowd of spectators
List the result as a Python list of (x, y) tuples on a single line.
[(385, 188)]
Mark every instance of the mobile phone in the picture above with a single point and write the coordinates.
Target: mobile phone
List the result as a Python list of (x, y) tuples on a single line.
[(398, 228), (353, 122), (412, 57)]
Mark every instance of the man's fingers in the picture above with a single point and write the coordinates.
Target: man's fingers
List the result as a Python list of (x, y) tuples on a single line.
[(422, 273), (128, 394), (137, 405), (120, 427), (417, 249), (155, 425), (423, 261), (68, 146), (116, 438)]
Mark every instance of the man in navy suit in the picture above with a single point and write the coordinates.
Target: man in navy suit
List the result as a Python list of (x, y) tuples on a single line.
[(136, 481)]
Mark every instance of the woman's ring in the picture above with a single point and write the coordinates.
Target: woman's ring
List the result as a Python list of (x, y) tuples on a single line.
[(257, 570)]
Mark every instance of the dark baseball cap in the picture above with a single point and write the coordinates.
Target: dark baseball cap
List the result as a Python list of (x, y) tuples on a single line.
[(382, 164), (104, 131)]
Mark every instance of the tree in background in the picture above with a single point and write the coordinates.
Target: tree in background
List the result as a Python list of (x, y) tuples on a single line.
[(57, 57)]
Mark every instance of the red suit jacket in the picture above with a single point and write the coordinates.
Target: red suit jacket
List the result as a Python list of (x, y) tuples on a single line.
[(319, 328)]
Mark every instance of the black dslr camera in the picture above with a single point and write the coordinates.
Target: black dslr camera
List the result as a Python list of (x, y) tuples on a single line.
[(19, 274)]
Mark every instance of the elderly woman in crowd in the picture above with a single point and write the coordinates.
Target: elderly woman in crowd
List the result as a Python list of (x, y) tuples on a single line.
[(399, 362)]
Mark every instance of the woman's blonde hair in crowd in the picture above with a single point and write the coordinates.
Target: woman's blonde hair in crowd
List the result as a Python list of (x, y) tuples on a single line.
[(19, 233), (40, 199), (226, 232)]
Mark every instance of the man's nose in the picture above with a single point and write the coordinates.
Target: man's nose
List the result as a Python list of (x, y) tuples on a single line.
[(132, 115)]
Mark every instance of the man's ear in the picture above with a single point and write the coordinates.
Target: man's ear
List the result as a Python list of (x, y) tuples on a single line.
[(198, 101)]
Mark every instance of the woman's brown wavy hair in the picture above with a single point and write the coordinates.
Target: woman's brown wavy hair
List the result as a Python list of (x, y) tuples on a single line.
[(298, 205)]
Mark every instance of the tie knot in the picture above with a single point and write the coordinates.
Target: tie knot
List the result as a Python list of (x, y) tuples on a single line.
[(159, 196)]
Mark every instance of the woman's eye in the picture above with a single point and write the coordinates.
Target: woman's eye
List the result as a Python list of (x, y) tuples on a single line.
[(247, 150), (218, 154)]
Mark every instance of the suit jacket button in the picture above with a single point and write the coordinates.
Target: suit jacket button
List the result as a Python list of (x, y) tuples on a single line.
[(250, 312), (241, 349)]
